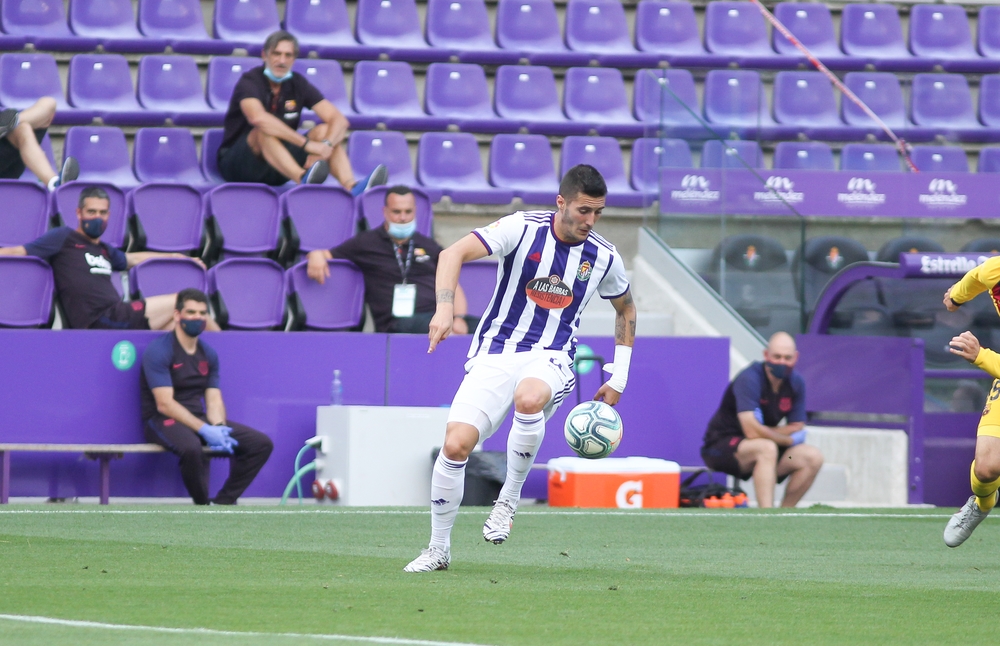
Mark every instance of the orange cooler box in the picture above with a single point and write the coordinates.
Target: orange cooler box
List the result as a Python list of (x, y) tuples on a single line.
[(628, 483)]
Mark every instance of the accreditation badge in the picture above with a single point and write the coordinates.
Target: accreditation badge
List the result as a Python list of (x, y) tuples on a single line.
[(404, 300)]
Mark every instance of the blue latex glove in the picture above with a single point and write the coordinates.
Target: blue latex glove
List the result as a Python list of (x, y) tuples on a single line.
[(758, 415), (217, 437), (798, 437)]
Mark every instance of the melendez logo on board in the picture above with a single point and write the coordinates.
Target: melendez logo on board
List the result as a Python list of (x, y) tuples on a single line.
[(781, 189), (694, 188), (861, 192), (943, 192)]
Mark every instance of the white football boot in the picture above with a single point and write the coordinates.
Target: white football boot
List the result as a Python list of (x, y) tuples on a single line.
[(960, 526), (430, 559), (497, 527)]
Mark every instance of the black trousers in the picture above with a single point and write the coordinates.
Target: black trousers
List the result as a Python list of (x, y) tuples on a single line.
[(248, 458)]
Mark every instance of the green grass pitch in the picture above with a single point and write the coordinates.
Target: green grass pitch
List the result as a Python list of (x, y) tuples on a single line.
[(292, 575)]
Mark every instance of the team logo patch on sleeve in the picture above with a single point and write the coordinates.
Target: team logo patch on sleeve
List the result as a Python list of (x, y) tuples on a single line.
[(550, 293), (583, 274)]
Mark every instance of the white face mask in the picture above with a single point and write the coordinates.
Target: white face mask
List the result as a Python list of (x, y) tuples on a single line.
[(402, 231), (277, 79)]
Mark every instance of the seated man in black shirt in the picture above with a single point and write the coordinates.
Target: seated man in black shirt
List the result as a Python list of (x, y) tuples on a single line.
[(179, 371), (746, 438), (261, 142), (399, 266), (82, 266), (21, 134)]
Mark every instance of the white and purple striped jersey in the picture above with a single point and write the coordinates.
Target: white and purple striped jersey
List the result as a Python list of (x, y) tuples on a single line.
[(543, 284)]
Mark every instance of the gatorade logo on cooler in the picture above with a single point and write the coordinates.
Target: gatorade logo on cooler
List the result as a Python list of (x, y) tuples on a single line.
[(629, 495), (549, 292)]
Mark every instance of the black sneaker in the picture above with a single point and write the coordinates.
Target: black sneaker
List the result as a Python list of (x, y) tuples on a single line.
[(70, 171), (378, 177), (8, 121), (317, 173)]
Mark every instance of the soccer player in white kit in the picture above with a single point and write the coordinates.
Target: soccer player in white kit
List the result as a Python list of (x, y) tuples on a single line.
[(551, 264)]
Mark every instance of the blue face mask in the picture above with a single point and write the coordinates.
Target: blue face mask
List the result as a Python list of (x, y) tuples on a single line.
[(193, 327), (277, 79), (402, 231), (778, 370), (93, 228)]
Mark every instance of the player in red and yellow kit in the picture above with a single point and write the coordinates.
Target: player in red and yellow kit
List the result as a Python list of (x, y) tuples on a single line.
[(985, 473)]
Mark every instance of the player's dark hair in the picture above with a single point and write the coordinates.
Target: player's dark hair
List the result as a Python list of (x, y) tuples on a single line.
[(276, 37), (190, 294), (398, 189), (582, 178), (92, 191)]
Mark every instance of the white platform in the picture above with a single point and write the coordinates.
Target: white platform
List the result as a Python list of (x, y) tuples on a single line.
[(379, 455)]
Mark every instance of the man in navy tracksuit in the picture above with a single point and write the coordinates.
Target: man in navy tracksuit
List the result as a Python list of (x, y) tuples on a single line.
[(179, 371)]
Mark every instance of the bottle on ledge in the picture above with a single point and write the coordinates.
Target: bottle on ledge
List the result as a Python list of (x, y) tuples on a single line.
[(337, 390)]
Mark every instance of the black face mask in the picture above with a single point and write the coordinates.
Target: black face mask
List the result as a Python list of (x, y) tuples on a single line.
[(93, 227), (779, 370), (193, 327)]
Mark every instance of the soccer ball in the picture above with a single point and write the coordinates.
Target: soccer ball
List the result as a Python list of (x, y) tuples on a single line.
[(593, 430)]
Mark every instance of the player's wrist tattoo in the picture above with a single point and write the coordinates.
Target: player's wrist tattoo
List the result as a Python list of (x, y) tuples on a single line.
[(445, 296)]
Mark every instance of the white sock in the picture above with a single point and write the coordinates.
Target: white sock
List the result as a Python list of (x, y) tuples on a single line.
[(447, 489), (522, 446), (52, 183)]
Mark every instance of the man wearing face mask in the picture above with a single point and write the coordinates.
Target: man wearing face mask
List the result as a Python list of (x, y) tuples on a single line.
[(399, 265), (746, 436), (261, 142), (179, 372), (82, 266)]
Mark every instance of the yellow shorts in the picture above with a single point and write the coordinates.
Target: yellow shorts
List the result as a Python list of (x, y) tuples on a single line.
[(990, 422)]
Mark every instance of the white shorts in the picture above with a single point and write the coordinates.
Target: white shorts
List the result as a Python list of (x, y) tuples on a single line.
[(487, 391)]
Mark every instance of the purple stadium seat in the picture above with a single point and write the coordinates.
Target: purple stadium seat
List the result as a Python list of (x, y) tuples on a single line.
[(181, 22), (172, 84), (166, 217), (387, 90), (937, 159), (210, 143), (247, 294), (449, 161), (337, 304), (531, 27), (943, 102), (596, 95), (812, 24), (881, 92), (462, 27), (394, 27), (988, 38), (113, 23), (989, 100), (667, 100), (25, 78), (27, 175), (246, 22), (942, 33), (478, 280), (989, 161), (316, 217), (523, 163), (101, 82), (650, 155), (459, 93), (805, 101), (735, 100), (245, 216), (67, 197), (372, 201), (367, 149), (25, 214), (731, 154), (26, 289), (873, 32), (670, 31), (323, 26), (167, 155), (803, 155), (604, 154), (737, 31), (42, 24), (328, 77), (102, 153), (158, 276), (528, 96), (598, 28), (869, 157), (223, 73)]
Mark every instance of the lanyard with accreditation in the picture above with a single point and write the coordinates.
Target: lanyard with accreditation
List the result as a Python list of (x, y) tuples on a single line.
[(404, 296)]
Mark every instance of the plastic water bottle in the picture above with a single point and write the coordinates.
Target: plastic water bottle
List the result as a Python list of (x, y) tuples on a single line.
[(337, 390)]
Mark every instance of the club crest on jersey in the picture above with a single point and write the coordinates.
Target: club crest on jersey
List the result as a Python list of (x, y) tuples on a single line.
[(203, 368), (583, 274), (549, 292)]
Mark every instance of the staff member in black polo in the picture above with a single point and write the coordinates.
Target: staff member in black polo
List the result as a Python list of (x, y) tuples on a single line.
[(261, 142), (179, 371), (399, 265)]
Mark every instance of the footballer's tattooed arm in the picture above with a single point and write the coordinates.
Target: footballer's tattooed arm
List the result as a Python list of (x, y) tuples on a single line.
[(624, 319), (445, 296)]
